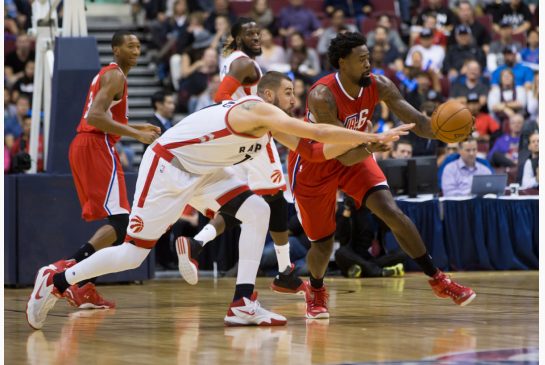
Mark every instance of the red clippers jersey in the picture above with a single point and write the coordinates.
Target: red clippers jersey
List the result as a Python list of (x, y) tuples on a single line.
[(118, 109), (353, 113)]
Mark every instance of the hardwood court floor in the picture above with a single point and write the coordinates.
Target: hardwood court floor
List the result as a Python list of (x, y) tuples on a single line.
[(170, 322)]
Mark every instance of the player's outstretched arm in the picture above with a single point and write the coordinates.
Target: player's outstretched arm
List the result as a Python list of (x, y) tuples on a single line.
[(389, 93), (111, 85), (258, 118)]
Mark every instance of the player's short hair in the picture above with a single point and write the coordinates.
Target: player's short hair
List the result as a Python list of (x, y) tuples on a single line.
[(158, 97), (271, 80), (119, 37), (341, 46), (235, 32)]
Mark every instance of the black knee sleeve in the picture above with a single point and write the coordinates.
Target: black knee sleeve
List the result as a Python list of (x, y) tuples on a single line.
[(229, 220), (120, 223), (229, 210), (279, 212)]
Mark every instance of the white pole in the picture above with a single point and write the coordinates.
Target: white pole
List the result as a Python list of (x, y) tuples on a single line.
[(41, 45), (48, 67)]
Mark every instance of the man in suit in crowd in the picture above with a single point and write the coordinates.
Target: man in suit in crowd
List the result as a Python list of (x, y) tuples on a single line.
[(163, 106)]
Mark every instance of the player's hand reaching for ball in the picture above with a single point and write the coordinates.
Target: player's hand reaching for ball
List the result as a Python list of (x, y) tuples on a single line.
[(393, 134)]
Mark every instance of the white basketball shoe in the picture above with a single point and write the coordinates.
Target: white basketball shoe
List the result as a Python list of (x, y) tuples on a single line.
[(248, 312), (44, 295), (187, 248)]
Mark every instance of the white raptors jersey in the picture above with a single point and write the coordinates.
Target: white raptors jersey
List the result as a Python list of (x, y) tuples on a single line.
[(242, 90), (204, 142)]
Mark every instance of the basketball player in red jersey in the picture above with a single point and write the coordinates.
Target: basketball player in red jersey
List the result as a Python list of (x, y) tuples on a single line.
[(347, 98), (95, 165), (240, 74)]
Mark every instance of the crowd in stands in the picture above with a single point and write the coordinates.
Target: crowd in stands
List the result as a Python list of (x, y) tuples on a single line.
[(479, 52)]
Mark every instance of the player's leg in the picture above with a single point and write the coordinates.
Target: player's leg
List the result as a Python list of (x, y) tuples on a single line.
[(286, 281), (223, 192), (100, 184), (383, 205), (317, 215), (159, 199), (245, 310)]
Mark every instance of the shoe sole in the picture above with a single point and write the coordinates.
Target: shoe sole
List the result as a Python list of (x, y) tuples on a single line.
[(274, 323), (318, 316), (461, 304), (281, 290), (187, 266), (468, 300), (94, 306)]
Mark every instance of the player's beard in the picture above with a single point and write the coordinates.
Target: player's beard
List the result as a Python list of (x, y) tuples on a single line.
[(365, 81), (250, 52), (276, 103)]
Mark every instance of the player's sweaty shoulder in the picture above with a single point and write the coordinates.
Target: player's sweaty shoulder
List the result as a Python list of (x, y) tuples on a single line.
[(322, 105)]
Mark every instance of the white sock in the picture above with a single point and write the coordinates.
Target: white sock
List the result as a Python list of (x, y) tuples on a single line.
[(283, 256), (254, 214), (108, 260), (207, 234)]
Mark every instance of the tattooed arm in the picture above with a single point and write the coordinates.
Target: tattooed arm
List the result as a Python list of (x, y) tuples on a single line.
[(389, 93)]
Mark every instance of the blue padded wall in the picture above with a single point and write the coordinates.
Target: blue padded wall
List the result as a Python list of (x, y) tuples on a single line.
[(10, 230), (76, 63), (49, 226)]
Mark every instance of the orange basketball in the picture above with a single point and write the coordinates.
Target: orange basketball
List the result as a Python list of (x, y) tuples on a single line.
[(451, 122)]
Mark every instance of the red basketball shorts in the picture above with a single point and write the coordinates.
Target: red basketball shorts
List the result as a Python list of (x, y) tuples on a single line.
[(98, 176), (315, 185)]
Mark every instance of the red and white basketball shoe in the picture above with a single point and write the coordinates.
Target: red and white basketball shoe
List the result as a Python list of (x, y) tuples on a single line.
[(86, 297), (444, 287), (44, 295), (187, 248), (248, 312), (317, 302)]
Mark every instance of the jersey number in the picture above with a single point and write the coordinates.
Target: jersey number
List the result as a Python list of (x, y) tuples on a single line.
[(246, 158), (95, 79), (356, 121)]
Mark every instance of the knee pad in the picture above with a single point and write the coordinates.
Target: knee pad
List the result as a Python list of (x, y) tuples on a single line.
[(120, 223), (229, 220), (232, 206), (279, 212)]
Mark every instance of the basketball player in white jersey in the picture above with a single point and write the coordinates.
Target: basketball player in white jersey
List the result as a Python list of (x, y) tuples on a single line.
[(240, 74), (191, 164)]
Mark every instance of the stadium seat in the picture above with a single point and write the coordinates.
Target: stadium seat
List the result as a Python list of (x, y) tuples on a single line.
[(445, 87), (240, 7), (368, 25), (383, 6), (486, 21)]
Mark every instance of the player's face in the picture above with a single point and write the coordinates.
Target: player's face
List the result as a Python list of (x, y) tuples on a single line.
[(129, 51), (284, 97), (357, 67), (251, 39)]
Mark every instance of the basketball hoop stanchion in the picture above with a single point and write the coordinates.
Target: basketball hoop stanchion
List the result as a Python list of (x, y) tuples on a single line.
[(42, 90), (45, 29)]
